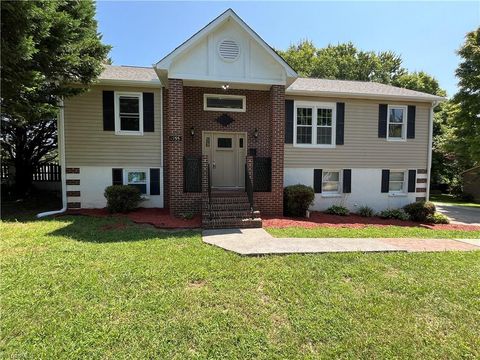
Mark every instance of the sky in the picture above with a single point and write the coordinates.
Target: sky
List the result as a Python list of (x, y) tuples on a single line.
[(425, 34)]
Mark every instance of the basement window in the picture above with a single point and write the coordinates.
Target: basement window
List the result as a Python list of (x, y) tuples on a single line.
[(233, 103), (137, 178)]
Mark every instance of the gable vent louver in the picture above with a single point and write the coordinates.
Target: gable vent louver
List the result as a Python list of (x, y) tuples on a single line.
[(229, 50)]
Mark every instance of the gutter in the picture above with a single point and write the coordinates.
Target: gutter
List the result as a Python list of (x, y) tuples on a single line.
[(61, 153), (430, 144)]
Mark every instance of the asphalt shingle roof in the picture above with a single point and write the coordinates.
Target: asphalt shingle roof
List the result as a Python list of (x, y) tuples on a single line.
[(304, 86), (358, 88), (129, 73)]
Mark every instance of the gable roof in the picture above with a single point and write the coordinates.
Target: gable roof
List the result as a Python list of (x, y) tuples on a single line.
[(131, 75), (165, 62), (361, 89)]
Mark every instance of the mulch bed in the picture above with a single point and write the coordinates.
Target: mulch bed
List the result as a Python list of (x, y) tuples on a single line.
[(160, 218), (319, 219)]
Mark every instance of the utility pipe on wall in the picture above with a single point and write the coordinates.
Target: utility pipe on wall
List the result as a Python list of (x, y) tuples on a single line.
[(61, 154), (430, 143)]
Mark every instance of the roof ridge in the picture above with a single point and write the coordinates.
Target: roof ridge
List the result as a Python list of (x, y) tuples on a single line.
[(132, 66)]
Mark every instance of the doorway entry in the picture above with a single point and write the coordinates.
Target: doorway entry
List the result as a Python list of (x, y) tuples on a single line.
[(226, 153)]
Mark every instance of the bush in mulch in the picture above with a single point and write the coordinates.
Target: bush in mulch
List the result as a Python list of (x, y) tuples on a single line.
[(297, 199), (398, 214), (337, 210), (122, 198), (420, 210)]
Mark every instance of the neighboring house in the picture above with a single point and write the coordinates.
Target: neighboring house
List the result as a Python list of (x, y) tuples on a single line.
[(471, 182), (225, 104)]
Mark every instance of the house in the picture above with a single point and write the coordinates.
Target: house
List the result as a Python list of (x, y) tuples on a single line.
[(223, 121), (471, 182)]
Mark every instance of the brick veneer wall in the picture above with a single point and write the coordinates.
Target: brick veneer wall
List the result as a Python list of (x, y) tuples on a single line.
[(184, 109)]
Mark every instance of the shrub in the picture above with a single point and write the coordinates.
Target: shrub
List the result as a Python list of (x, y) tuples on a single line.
[(420, 210), (438, 218), (366, 211), (297, 199), (122, 198), (394, 214), (337, 210)]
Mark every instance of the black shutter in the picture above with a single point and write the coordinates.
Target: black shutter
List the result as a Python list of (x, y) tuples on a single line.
[(382, 120), (340, 123), (117, 176), (411, 122), (317, 180), (412, 179), (288, 121), (108, 111), (154, 181), (385, 180), (148, 116), (347, 181)]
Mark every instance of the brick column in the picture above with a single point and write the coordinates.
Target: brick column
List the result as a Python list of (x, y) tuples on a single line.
[(175, 146), (277, 105)]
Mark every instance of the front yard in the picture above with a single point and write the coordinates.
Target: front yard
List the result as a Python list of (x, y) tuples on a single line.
[(82, 287)]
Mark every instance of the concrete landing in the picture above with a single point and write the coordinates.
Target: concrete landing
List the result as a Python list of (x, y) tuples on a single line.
[(259, 242)]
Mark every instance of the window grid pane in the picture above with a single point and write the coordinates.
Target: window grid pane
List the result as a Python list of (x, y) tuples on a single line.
[(130, 123), (304, 116), (330, 181), (324, 135), (137, 177), (396, 115), (324, 117), (304, 135), (395, 186), (395, 130)]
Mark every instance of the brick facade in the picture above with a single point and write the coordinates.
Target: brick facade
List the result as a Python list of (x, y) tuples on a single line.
[(265, 111)]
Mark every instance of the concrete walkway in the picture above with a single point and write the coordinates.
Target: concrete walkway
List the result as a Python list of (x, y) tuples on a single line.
[(259, 242)]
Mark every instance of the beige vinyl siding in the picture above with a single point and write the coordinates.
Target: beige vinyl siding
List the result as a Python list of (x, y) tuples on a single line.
[(362, 147), (87, 144)]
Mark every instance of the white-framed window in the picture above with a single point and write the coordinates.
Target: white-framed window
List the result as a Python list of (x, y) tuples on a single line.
[(314, 124), (128, 113), (138, 178), (397, 182), (396, 122), (331, 182), (219, 102)]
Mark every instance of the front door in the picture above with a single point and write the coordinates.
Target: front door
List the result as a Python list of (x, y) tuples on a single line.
[(226, 154)]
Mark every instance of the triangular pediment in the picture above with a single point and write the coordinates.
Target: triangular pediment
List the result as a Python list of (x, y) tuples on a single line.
[(226, 50)]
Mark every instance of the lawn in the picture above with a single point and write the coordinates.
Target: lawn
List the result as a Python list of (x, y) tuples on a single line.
[(372, 232), (451, 200), (78, 287)]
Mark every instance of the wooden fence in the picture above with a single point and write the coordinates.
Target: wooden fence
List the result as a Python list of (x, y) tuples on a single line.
[(47, 172)]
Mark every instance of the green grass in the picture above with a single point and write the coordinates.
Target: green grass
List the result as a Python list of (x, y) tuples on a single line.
[(373, 232), (451, 200), (78, 287)]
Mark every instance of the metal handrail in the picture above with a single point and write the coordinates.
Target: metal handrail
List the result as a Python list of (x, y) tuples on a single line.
[(209, 188), (249, 187)]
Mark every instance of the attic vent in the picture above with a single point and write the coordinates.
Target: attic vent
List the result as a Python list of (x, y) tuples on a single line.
[(228, 50)]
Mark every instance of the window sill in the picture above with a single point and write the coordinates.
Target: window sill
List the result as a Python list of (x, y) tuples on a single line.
[(335, 195), (396, 140), (134, 133), (397, 194), (311, 146)]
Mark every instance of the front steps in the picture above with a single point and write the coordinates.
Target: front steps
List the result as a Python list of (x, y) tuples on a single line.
[(229, 210)]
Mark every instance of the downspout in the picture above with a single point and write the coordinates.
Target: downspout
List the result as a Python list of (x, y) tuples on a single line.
[(430, 145), (61, 154)]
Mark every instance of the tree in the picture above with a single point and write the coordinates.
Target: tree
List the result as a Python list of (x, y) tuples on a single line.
[(343, 61), (466, 123), (50, 50)]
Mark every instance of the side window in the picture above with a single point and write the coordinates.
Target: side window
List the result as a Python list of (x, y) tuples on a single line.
[(396, 183), (138, 179), (128, 113), (331, 182), (396, 121)]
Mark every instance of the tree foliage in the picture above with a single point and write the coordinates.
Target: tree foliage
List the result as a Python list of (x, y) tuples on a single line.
[(343, 61), (49, 49), (466, 123)]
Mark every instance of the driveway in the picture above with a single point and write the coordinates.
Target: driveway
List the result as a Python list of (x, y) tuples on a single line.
[(460, 214)]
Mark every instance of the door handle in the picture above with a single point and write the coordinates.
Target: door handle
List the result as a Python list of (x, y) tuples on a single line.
[(214, 165)]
